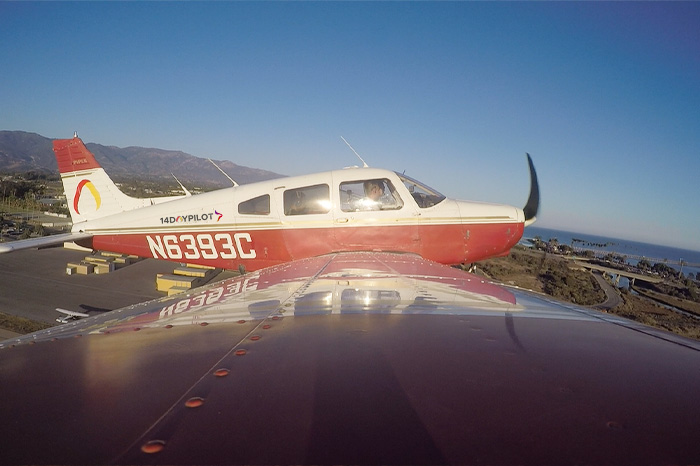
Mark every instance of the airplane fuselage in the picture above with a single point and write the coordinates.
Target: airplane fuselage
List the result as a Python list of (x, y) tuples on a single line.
[(271, 222)]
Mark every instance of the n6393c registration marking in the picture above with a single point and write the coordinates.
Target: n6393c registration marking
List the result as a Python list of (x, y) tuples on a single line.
[(201, 246)]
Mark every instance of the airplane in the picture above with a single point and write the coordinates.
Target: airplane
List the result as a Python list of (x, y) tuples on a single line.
[(249, 227), (69, 316), (339, 354)]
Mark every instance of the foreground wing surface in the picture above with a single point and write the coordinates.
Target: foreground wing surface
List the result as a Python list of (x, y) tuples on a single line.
[(351, 358)]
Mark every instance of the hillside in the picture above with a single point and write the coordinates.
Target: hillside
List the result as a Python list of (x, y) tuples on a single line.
[(22, 151)]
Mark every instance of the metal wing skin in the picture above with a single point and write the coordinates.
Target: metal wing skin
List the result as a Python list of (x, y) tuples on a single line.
[(360, 358)]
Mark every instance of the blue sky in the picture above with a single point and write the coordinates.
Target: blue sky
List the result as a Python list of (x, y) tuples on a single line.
[(604, 96)]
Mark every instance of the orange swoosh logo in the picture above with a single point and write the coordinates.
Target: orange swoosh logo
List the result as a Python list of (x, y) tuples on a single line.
[(91, 187)]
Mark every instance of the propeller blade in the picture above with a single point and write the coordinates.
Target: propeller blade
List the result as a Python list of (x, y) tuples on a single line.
[(533, 202)]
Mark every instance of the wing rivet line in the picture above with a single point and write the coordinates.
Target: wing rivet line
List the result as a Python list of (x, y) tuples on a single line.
[(221, 372), (240, 352), (194, 402), (154, 446)]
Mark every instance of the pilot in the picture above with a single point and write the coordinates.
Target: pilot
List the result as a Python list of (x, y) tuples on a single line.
[(374, 190)]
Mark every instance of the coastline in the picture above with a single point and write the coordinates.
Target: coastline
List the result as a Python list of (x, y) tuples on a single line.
[(633, 251)]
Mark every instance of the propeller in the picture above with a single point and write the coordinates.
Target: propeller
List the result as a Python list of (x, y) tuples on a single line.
[(533, 202)]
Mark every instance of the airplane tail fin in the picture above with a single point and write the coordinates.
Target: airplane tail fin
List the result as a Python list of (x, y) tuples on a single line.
[(90, 192)]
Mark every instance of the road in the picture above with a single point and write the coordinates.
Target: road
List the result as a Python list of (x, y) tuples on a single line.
[(611, 271), (612, 297)]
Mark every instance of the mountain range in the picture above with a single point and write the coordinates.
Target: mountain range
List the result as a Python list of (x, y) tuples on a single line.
[(21, 151)]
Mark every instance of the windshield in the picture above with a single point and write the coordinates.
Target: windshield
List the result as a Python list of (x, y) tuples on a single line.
[(424, 196)]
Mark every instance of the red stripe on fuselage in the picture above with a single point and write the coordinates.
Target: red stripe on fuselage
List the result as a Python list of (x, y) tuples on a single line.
[(256, 249)]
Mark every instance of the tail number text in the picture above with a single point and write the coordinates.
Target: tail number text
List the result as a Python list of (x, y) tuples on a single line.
[(202, 246)]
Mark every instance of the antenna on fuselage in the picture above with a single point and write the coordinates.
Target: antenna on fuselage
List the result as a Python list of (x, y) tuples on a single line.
[(225, 174), (187, 193), (364, 164)]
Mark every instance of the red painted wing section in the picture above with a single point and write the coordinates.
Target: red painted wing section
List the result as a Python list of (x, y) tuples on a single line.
[(351, 358)]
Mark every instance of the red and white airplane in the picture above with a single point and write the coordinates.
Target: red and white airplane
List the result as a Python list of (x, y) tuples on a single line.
[(342, 345), (261, 224)]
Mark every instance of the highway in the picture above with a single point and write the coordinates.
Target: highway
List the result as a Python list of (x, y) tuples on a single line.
[(610, 271)]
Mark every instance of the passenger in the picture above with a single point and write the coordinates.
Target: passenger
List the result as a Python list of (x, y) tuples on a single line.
[(296, 204)]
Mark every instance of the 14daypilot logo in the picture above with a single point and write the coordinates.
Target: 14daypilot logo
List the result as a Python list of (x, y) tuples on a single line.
[(192, 218)]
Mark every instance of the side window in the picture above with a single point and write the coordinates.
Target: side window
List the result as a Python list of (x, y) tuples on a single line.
[(373, 194), (257, 206), (307, 200)]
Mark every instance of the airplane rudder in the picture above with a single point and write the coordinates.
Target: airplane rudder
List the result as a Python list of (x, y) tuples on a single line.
[(72, 155), (84, 181), (90, 191)]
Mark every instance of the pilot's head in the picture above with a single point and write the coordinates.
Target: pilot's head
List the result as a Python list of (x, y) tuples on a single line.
[(374, 189)]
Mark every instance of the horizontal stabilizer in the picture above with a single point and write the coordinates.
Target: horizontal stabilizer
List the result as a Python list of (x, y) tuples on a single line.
[(42, 242)]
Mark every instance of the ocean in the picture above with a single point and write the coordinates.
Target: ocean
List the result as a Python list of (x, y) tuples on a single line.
[(633, 250)]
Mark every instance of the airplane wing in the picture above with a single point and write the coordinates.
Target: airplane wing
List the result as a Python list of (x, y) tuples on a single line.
[(72, 313), (42, 241), (360, 358)]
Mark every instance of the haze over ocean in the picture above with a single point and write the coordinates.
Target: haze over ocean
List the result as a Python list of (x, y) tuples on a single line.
[(620, 246)]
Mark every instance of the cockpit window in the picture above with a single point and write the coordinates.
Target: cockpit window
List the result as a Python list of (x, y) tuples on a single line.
[(372, 194), (307, 200), (424, 196)]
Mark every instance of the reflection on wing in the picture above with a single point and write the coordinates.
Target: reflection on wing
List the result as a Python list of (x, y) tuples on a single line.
[(350, 358)]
